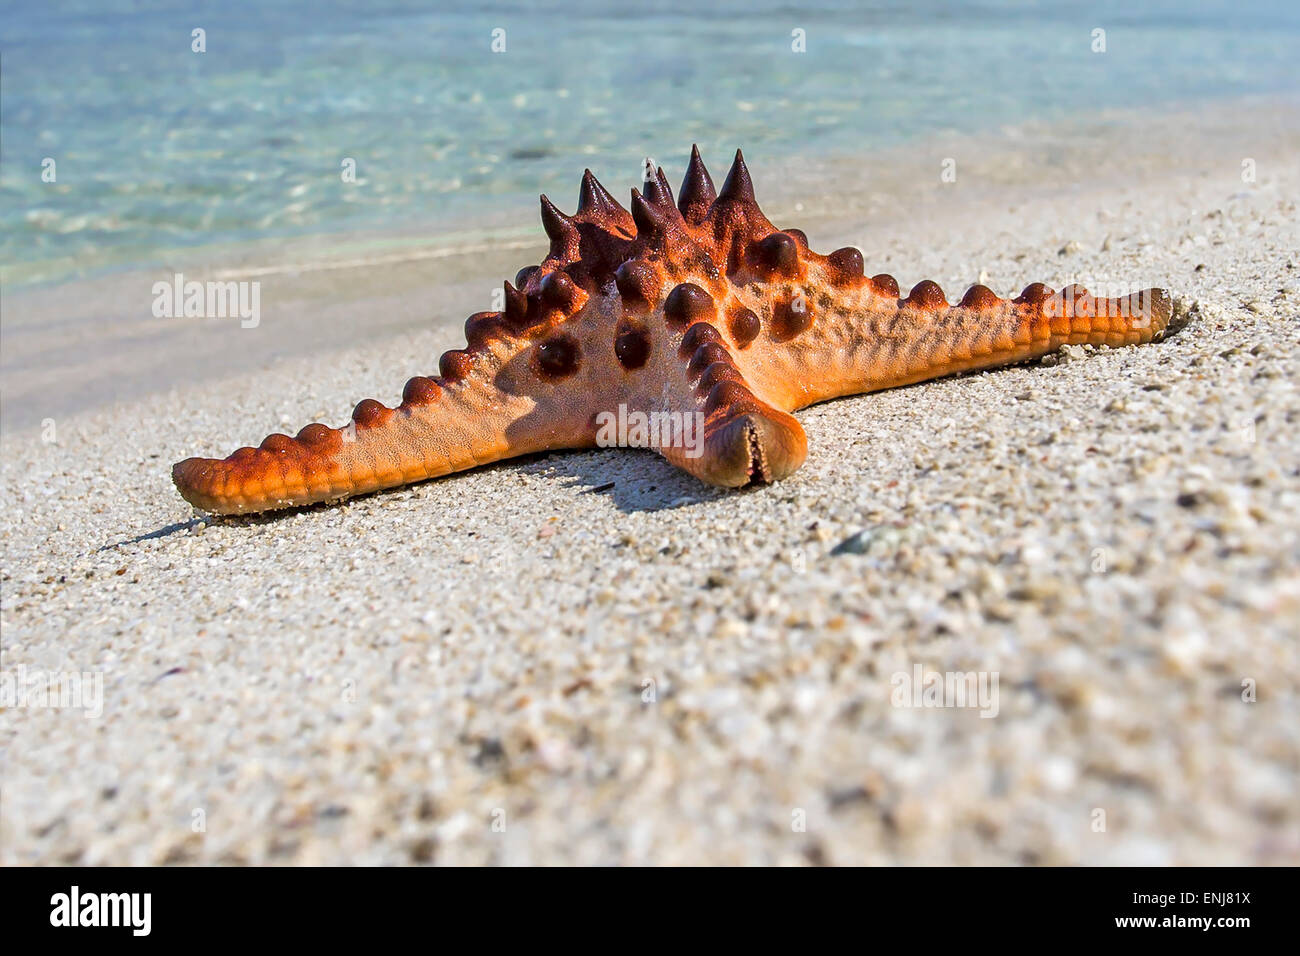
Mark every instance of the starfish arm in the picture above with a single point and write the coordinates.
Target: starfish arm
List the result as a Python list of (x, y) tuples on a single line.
[(529, 380), (828, 331), (443, 425), (521, 386), (703, 415)]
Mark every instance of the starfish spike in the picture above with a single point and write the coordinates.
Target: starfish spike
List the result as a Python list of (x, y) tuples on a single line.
[(697, 310)]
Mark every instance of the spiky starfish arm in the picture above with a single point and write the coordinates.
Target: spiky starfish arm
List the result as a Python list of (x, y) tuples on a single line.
[(700, 312)]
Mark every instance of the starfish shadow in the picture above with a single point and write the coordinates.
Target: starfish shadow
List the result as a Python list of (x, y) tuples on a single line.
[(165, 531), (635, 480)]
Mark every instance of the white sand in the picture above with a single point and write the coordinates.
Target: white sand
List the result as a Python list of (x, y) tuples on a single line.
[(663, 672)]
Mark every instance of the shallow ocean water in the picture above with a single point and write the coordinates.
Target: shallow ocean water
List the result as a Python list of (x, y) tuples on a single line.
[(159, 148)]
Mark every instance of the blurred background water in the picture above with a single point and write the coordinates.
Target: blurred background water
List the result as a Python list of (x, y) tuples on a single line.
[(160, 148)]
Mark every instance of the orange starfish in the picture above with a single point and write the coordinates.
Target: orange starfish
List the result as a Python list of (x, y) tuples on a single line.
[(699, 314)]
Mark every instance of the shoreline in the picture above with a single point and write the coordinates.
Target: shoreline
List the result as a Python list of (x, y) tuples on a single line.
[(497, 226), (322, 294)]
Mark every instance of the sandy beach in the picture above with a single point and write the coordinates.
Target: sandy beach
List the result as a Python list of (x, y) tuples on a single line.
[(591, 658)]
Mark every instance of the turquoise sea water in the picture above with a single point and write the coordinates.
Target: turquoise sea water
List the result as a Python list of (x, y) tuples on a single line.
[(158, 147)]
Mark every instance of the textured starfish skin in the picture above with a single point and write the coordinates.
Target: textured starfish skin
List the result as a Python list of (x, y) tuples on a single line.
[(699, 305)]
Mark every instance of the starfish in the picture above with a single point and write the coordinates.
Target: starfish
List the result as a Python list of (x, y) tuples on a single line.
[(694, 312)]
